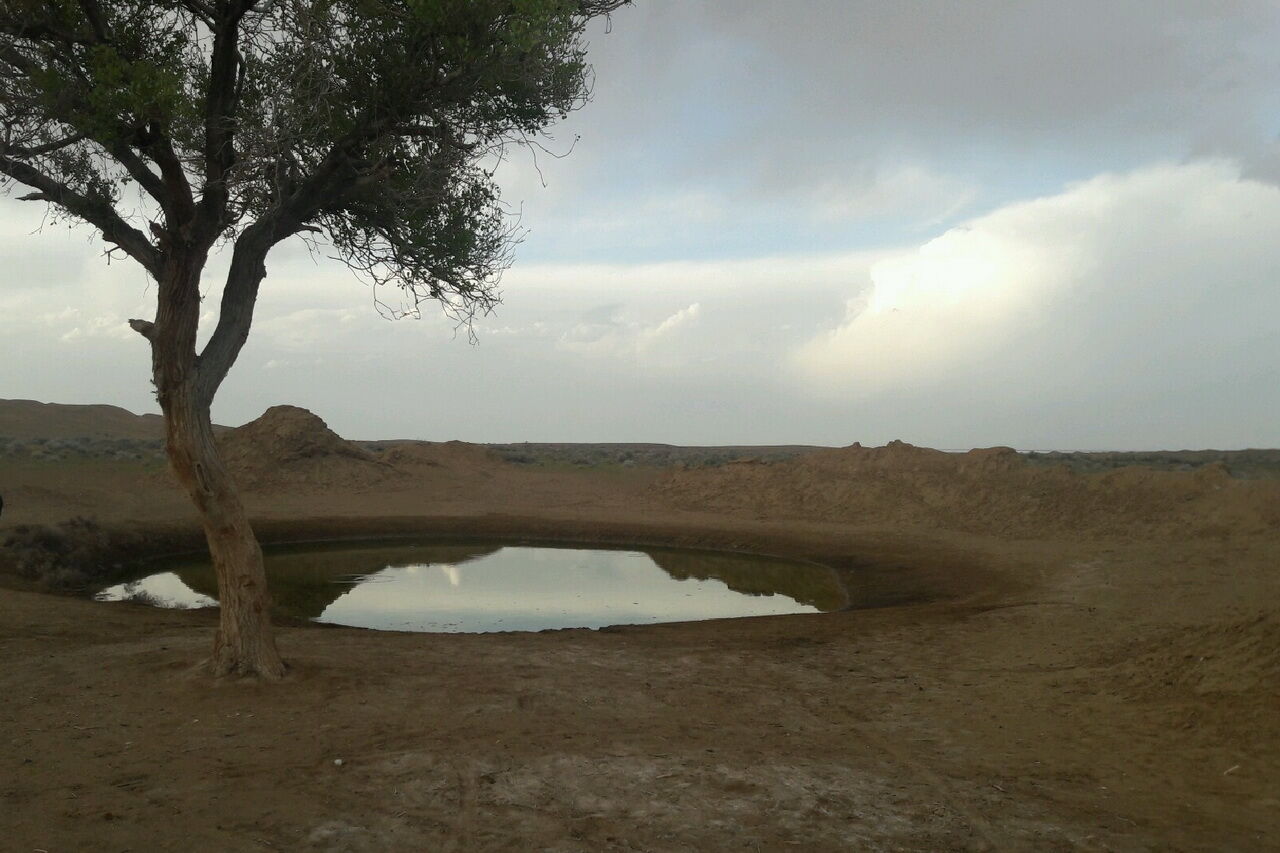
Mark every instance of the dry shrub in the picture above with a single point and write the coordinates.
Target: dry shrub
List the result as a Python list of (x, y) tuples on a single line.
[(69, 555)]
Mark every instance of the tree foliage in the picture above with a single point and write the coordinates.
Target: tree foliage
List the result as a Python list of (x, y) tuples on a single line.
[(369, 120)]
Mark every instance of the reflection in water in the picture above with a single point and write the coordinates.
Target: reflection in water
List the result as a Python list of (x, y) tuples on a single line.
[(489, 587), (166, 589), (807, 584)]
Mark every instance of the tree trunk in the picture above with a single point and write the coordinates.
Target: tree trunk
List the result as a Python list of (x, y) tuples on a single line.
[(185, 385), (244, 644)]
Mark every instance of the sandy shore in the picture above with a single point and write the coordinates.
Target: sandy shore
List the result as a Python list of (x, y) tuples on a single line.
[(1095, 692)]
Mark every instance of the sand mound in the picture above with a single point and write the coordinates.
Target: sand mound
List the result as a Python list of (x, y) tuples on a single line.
[(289, 446), (991, 490)]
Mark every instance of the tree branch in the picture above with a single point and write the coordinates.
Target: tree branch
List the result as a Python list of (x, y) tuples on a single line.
[(42, 150), (235, 314), (93, 14), (219, 120), (146, 328), (43, 31), (140, 172), (175, 178), (96, 212), (205, 12), (248, 265), (171, 190)]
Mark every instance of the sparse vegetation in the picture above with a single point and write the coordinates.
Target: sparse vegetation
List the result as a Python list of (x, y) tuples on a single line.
[(141, 450), (67, 556), (639, 455), (1244, 464)]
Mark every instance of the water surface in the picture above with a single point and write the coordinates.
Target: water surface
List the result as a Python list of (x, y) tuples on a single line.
[(496, 586)]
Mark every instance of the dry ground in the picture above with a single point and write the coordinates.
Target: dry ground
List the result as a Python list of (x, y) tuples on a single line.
[(1073, 692)]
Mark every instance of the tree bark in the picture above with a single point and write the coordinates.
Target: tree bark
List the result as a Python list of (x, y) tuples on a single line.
[(244, 644)]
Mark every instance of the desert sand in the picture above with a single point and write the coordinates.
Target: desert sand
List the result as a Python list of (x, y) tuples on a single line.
[(1035, 659)]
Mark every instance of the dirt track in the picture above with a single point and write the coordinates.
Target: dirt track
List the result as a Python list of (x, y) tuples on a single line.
[(1074, 692)]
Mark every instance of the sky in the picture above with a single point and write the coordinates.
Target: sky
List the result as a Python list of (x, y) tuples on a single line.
[(1000, 222)]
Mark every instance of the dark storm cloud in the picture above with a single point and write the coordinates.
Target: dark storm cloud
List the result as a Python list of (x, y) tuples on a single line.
[(785, 93)]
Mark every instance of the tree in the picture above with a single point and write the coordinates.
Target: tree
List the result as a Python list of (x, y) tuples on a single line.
[(242, 123)]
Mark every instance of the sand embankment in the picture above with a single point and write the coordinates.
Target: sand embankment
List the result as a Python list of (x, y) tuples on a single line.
[(1074, 661), (992, 491)]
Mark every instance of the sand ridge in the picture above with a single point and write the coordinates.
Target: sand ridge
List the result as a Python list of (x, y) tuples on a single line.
[(993, 490)]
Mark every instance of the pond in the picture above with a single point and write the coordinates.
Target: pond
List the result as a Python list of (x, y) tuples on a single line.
[(474, 587)]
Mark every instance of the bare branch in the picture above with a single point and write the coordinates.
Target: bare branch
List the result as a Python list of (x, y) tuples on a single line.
[(96, 212), (44, 149)]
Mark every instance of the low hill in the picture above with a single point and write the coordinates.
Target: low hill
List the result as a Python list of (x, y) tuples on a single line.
[(58, 431), (28, 419)]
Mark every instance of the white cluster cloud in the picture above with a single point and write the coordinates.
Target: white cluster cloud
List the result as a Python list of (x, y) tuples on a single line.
[(1151, 285), (614, 335), (684, 317)]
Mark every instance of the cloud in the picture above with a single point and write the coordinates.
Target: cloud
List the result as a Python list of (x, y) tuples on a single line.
[(683, 317), (859, 222), (730, 130), (110, 326), (1157, 285), (608, 332), (909, 191), (805, 130), (1086, 78), (1130, 309)]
